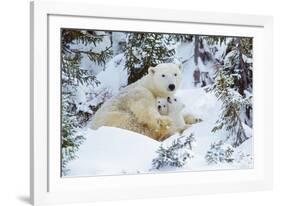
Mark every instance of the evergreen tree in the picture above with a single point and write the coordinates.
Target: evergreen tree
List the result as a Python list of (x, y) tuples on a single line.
[(232, 106), (145, 50), (71, 140), (205, 48), (196, 49), (183, 38), (72, 76), (219, 152), (72, 73), (238, 61), (175, 155)]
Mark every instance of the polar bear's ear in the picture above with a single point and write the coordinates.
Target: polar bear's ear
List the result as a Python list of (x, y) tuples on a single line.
[(151, 70), (180, 66), (169, 100)]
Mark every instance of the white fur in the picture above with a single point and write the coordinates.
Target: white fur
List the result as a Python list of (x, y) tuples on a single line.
[(175, 108), (164, 75), (162, 105), (134, 107), (174, 111)]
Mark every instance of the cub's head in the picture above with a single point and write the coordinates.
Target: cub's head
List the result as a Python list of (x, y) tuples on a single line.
[(166, 78), (174, 105), (162, 105)]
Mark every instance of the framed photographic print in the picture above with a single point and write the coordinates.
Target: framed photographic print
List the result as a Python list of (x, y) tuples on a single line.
[(131, 106)]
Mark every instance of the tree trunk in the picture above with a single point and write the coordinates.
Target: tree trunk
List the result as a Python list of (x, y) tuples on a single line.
[(196, 49), (243, 71)]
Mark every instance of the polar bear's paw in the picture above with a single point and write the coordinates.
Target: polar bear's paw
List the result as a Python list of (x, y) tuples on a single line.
[(197, 120), (189, 119), (164, 122)]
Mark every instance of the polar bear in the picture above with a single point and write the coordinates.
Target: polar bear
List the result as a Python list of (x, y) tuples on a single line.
[(134, 107), (162, 105), (175, 111), (164, 108), (172, 107)]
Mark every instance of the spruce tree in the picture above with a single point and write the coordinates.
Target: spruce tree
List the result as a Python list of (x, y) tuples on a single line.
[(175, 155), (232, 106), (238, 63), (145, 50), (72, 75), (71, 139), (219, 152), (205, 48)]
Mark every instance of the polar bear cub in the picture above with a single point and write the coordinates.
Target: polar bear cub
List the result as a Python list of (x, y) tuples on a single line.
[(162, 105), (175, 111), (173, 108)]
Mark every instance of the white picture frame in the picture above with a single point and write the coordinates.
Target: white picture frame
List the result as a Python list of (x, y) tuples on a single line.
[(47, 186)]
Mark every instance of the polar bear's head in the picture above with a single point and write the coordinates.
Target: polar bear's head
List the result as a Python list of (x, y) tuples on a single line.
[(174, 105), (166, 78), (162, 105)]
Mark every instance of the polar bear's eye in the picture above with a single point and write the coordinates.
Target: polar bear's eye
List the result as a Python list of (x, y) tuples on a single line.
[(176, 74), (175, 100), (164, 106), (163, 75)]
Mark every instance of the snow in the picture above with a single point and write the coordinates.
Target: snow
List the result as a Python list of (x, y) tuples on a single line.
[(118, 39), (184, 53), (114, 151), (83, 97), (110, 150), (221, 48), (118, 75), (86, 63), (92, 95)]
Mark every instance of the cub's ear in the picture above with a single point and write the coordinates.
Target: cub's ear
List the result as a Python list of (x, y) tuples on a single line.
[(169, 100), (180, 66), (151, 70)]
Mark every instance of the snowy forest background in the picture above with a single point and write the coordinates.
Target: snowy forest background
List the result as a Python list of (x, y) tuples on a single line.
[(217, 87)]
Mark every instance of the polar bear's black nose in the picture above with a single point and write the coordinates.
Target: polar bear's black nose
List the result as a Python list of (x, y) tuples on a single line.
[(171, 87), (159, 107)]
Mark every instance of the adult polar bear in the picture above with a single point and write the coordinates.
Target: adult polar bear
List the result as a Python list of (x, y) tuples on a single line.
[(134, 108)]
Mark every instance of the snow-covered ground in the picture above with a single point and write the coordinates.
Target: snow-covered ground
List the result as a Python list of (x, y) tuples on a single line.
[(114, 151)]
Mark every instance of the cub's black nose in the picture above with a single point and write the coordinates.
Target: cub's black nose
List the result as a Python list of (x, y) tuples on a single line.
[(171, 87), (159, 107)]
